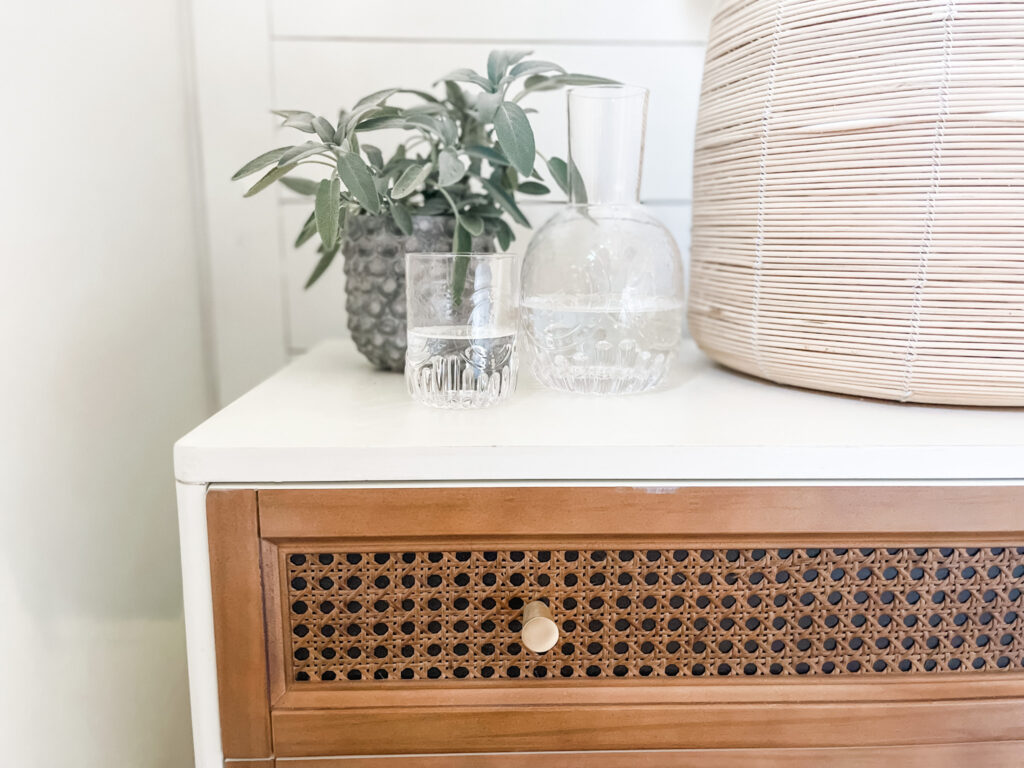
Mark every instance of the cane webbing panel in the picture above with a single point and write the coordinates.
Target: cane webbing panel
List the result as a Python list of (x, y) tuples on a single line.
[(446, 615)]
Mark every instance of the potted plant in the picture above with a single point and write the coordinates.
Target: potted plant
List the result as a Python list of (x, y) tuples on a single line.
[(451, 185)]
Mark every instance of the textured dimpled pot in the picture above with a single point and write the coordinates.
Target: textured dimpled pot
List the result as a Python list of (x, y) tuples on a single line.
[(374, 250)]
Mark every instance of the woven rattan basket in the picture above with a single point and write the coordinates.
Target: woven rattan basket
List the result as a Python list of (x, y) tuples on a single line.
[(858, 220)]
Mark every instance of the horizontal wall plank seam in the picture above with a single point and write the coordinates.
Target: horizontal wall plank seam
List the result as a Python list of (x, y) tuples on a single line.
[(292, 38)]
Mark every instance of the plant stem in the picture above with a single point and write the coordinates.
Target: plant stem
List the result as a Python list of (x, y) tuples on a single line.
[(461, 265), (455, 208)]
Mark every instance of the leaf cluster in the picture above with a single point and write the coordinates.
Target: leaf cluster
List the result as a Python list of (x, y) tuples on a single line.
[(469, 153)]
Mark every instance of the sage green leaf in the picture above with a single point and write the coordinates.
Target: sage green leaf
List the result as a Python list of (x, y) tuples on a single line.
[(472, 223), (553, 82), (485, 106), (323, 129), (307, 231), (490, 154), (375, 156), (295, 118), (455, 95), (497, 65), (272, 175), (449, 130), (427, 122), (321, 266), (449, 168), (295, 154), (559, 172), (516, 136), (486, 211), (499, 61), (435, 206), (328, 206), (431, 108), (402, 217), (397, 167), (411, 180), (302, 186), (505, 234), (574, 78), (359, 181), (377, 97), (533, 68), (536, 83), (468, 76), (376, 123), (514, 57), (366, 112), (463, 240), (577, 189), (533, 188), (259, 163), (506, 201), (422, 94)]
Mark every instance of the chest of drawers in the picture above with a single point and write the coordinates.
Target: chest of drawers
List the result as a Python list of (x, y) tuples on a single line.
[(734, 572)]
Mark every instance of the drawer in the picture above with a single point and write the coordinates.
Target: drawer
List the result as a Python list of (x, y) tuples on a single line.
[(390, 621)]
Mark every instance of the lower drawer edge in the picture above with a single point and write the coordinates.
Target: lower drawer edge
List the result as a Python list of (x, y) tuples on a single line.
[(1002, 753), (770, 725)]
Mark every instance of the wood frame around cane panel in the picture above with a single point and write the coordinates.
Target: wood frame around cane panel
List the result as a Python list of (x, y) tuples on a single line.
[(927, 711), (239, 625)]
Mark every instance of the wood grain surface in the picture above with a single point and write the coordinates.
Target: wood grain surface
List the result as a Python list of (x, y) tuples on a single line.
[(238, 624)]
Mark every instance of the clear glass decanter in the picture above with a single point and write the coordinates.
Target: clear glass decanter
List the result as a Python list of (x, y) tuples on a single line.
[(602, 286)]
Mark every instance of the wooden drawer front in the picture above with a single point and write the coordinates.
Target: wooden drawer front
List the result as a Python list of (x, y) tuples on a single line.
[(386, 621), (451, 614)]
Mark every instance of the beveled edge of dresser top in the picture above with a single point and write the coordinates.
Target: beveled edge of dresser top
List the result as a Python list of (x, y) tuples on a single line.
[(330, 417)]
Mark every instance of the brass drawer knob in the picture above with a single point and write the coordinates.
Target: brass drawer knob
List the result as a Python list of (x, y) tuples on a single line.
[(540, 633)]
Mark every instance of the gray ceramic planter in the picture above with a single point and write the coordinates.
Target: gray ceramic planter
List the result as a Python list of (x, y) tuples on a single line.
[(374, 250)]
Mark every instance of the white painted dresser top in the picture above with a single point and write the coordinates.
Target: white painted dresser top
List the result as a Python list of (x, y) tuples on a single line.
[(329, 417)]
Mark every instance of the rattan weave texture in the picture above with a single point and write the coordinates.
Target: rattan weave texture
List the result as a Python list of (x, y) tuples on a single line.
[(658, 613), (858, 218)]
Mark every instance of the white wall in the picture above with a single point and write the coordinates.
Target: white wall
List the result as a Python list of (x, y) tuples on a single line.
[(102, 369), (325, 54)]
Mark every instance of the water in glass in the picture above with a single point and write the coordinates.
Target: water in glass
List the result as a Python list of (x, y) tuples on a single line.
[(458, 366)]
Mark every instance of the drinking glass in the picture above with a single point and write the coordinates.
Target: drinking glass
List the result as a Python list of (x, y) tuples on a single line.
[(463, 319)]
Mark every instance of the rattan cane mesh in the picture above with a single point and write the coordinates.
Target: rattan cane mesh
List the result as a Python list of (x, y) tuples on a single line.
[(448, 615)]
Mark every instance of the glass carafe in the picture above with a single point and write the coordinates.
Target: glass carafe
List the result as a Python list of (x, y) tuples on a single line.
[(602, 281)]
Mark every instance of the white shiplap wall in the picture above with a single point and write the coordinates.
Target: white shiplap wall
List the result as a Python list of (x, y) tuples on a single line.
[(323, 54)]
